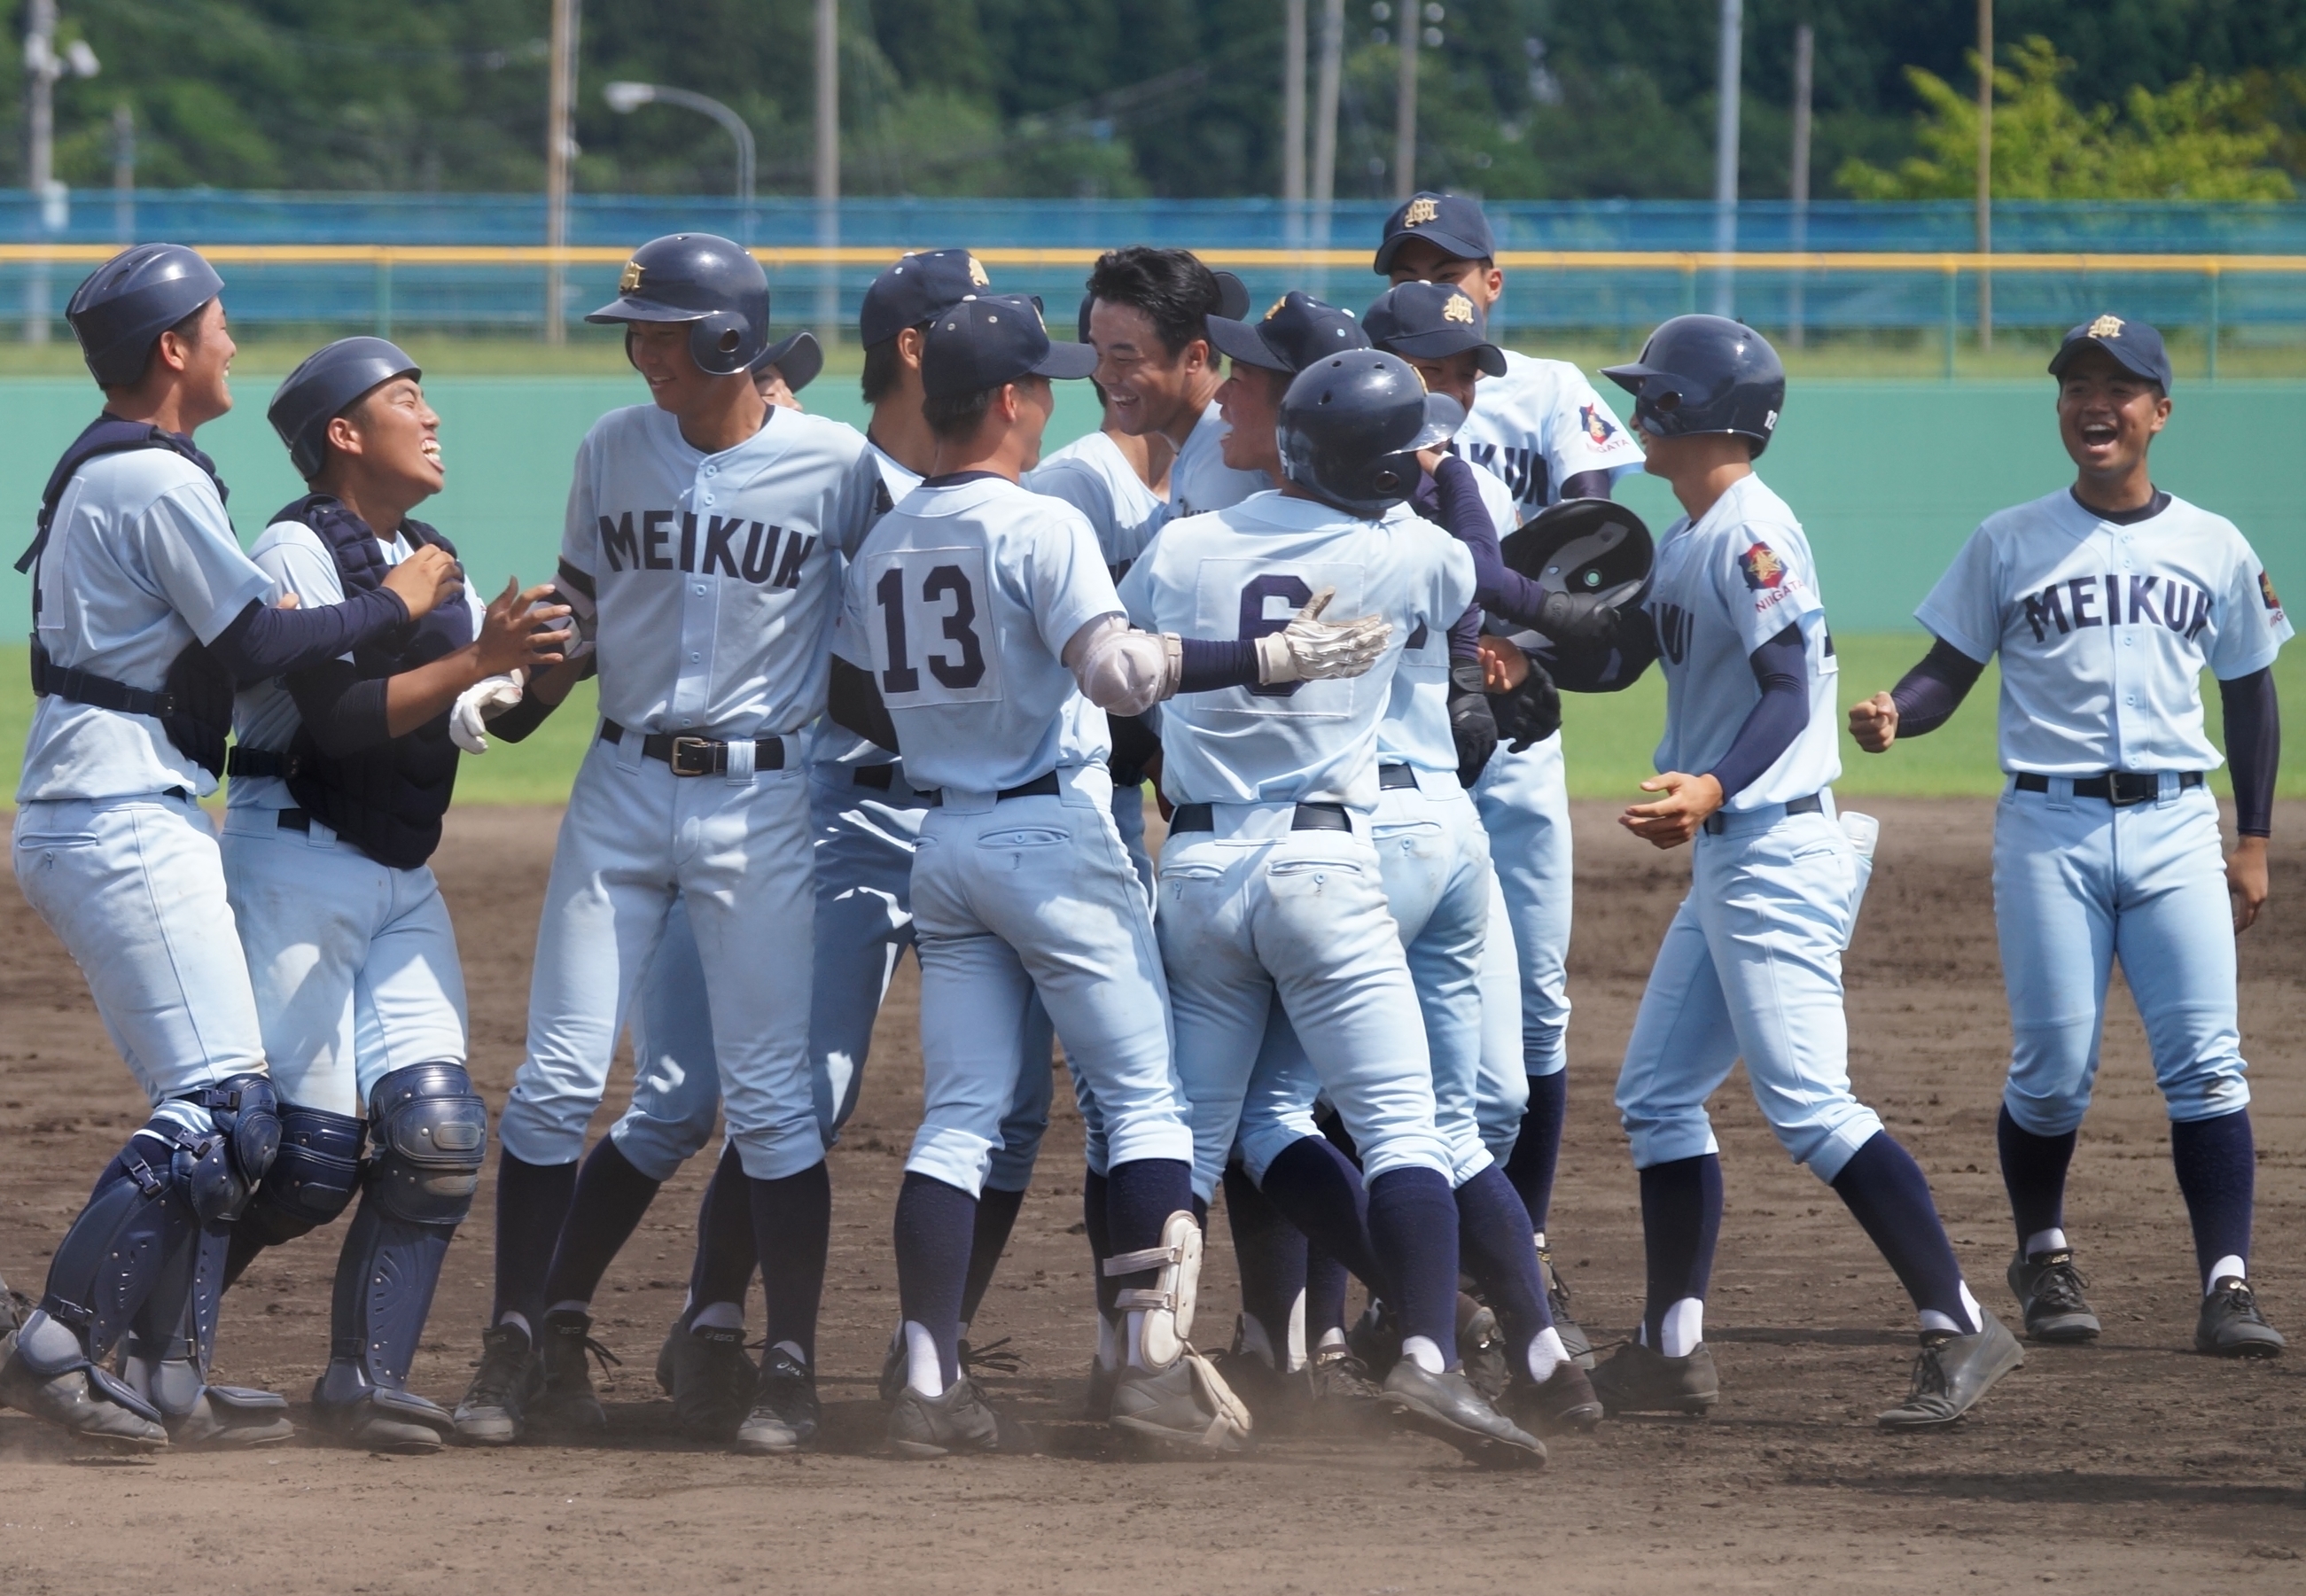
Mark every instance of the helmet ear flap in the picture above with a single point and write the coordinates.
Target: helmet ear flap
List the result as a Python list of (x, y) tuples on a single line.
[(722, 343)]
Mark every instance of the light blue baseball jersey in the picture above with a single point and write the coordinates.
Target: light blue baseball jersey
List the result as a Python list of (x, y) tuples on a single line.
[(961, 603), (2105, 630), (1720, 588), (1199, 481), (717, 576), (1243, 573), (141, 561), (829, 741), (1092, 475), (1538, 425), (265, 716), (1415, 731)]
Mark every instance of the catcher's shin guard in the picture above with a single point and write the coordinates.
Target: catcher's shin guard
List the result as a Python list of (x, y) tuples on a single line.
[(1165, 1340)]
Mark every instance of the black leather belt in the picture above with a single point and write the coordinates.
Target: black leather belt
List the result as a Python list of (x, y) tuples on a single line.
[(879, 777), (1390, 777), (2121, 788), (698, 756), (1039, 786), (1309, 817), (295, 820), (1815, 804), (243, 760)]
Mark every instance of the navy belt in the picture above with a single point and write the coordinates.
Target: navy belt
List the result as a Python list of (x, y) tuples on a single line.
[(1390, 777), (243, 760), (879, 777), (1815, 804), (1309, 817), (294, 820), (1039, 786), (698, 756), (2121, 788)]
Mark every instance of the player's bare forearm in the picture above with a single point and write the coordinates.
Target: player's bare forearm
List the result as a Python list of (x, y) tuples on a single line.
[(1675, 818), (1874, 723), (2246, 881)]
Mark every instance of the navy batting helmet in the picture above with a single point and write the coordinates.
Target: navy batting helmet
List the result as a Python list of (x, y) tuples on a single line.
[(706, 281), (798, 358), (1705, 374), (1589, 546), (1351, 427), (329, 382), (126, 304)]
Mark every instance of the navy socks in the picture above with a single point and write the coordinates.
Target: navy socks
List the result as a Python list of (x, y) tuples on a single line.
[(1320, 1192), (725, 1255), (1270, 1254), (1681, 1225), (2218, 1171), (934, 1229), (792, 1227), (1493, 1233), (1412, 1223), (1886, 1188), (2034, 1172), (996, 1216), (610, 1198), (1537, 1152), (532, 1200), (1096, 1227)]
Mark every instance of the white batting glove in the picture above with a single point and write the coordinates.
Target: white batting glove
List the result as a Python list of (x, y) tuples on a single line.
[(1311, 649), (469, 720)]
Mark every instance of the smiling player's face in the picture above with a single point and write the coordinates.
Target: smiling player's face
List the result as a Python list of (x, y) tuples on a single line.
[(1146, 388), (2108, 415), (1249, 400), (396, 436), (659, 351)]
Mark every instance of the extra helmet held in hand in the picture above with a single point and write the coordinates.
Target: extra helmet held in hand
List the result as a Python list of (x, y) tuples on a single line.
[(1351, 427), (706, 281), (1705, 374)]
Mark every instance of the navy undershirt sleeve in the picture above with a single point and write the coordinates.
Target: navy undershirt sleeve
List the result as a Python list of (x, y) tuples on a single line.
[(1212, 663), (263, 642), (1782, 667), (1927, 695), (344, 711), (2253, 748), (1458, 497)]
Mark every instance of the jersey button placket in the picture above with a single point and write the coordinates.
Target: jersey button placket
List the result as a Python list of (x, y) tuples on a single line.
[(699, 614)]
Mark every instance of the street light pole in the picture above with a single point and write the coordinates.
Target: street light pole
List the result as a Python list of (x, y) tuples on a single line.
[(559, 153), (624, 99), (1404, 108), (42, 67), (828, 162), (1725, 151)]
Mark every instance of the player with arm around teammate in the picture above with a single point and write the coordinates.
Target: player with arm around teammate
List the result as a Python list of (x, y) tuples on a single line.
[(341, 776), (1751, 966), (146, 615), (2106, 601)]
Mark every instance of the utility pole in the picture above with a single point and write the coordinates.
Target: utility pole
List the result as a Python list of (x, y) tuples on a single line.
[(123, 173), (828, 164), (1293, 114), (1725, 153), (559, 154), (1404, 111), (42, 67), (1985, 169), (1325, 129), (1804, 48)]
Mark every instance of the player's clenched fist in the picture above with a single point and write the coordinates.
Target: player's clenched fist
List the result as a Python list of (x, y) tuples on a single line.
[(1875, 723), (1311, 649), (426, 579)]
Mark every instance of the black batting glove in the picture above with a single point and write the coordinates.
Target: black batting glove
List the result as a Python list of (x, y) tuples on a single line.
[(1529, 713), (1472, 726)]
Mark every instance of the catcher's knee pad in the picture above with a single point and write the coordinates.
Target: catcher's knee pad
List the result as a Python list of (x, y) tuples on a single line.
[(222, 1169), (431, 1132), (1168, 1303), (313, 1176)]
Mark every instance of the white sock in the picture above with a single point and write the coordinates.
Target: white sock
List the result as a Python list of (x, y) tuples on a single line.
[(1136, 1334), (1420, 1351), (1108, 1349), (1332, 1336), (573, 1305), (2228, 1267), (1683, 1328), (1932, 1319), (923, 1372), (1297, 1357), (719, 1315), (1546, 1354), (520, 1322), (2052, 1240), (791, 1349)]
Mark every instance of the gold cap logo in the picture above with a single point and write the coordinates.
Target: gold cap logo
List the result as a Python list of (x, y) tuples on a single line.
[(1276, 308), (1458, 309), (2105, 327), (977, 274), (631, 279), (1420, 212)]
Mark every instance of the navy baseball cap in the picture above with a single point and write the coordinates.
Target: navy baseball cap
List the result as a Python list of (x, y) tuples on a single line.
[(1452, 223), (916, 289), (983, 342), (797, 360), (1297, 331), (1432, 321), (2136, 347)]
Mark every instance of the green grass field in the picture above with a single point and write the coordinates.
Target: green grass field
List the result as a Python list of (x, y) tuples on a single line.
[(1608, 739)]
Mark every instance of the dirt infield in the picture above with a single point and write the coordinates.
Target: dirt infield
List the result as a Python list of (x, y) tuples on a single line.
[(2133, 1465)]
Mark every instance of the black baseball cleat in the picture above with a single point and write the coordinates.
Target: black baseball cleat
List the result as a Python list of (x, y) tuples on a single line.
[(1346, 1399), (960, 1420), (1481, 1349), (568, 1405), (1637, 1380), (1953, 1373), (1447, 1407), (1564, 1403), (2049, 1293), (785, 1413), (494, 1410), (2232, 1327), (1574, 1339), (712, 1382)]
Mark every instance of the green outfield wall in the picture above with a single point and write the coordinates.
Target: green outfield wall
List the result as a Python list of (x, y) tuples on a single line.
[(1888, 477)]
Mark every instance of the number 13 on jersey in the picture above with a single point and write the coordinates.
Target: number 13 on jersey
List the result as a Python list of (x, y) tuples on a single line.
[(930, 635)]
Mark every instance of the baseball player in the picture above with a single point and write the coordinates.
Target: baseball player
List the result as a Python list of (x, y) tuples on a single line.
[(2106, 601), (702, 544), (341, 777), (983, 638), (146, 614), (1540, 427), (1751, 966), (1271, 891), (788, 366)]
